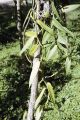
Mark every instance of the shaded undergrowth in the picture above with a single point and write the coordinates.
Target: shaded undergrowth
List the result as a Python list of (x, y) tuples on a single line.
[(14, 91)]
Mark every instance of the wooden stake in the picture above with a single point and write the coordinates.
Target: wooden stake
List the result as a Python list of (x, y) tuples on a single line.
[(19, 26), (34, 86)]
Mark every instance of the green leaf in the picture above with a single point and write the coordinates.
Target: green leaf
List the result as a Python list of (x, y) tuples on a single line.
[(35, 69), (38, 113), (70, 8), (62, 39), (68, 66), (27, 44), (52, 53), (31, 33), (39, 98), (51, 92), (47, 38), (69, 32), (63, 49), (60, 27), (44, 26)]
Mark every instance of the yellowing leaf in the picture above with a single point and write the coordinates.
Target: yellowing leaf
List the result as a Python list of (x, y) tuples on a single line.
[(25, 115), (33, 49), (27, 44), (38, 113), (44, 26), (39, 98), (35, 69), (31, 33), (51, 92)]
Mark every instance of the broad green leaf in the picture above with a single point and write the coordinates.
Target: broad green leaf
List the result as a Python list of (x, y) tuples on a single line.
[(45, 51), (39, 98), (44, 26), (38, 113), (62, 39), (27, 44), (47, 38), (70, 8), (52, 54), (35, 69), (69, 32), (60, 27), (51, 92), (33, 49), (31, 33), (68, 66)]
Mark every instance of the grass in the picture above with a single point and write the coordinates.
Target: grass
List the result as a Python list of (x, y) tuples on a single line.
[(9, 49), (67, 100), (14, 76), (14, 73)]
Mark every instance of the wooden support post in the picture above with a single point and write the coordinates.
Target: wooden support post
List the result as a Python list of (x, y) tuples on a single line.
[(36, 59), (19, 26)]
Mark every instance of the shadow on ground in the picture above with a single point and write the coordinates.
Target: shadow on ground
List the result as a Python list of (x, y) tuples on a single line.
[(14, 95)]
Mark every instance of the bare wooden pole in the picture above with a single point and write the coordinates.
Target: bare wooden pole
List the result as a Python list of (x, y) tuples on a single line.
[(33, 95), (30, 115), (19, 26)]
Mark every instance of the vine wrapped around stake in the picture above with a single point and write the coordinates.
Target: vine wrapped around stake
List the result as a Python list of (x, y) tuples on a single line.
[(34, 80), (48, 45)]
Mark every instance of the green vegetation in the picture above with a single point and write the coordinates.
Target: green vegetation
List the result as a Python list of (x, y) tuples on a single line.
[(67, 94), (15, 72), (67, 100), (14, 75)]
